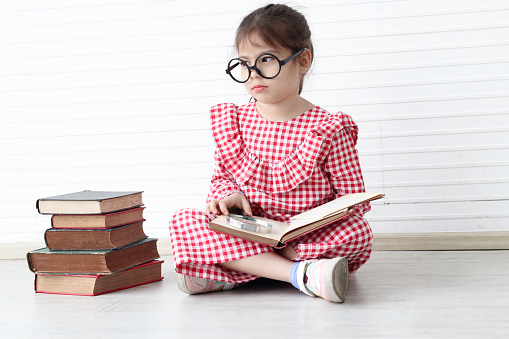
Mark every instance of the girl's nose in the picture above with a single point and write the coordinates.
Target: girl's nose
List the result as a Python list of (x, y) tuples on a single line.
[(254, 74)]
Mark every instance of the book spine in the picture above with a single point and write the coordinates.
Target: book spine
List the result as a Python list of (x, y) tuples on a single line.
[(30, 266)]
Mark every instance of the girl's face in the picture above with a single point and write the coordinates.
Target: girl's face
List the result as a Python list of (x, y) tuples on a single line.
[(271, 91)]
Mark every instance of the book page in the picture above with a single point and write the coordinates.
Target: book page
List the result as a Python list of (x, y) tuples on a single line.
[(336, 206)]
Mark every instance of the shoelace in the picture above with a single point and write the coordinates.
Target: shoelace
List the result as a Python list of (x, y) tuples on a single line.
[(312, 280)]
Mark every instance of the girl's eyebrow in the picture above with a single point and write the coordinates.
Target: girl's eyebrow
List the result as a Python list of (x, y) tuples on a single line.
[(271, 51)]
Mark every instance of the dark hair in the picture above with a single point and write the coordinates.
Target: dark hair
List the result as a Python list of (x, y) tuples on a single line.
[(279, 26)]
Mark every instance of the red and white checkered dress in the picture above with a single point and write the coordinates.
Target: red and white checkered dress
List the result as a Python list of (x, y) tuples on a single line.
[(283, 168)]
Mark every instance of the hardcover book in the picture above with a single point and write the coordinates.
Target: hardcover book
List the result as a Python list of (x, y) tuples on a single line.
[(98, 221), (277, 234), (92, 262), (94, 239), (89, 202), (94, 284)]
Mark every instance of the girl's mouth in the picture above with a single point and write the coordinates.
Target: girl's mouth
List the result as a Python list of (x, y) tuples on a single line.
[(259, 89)]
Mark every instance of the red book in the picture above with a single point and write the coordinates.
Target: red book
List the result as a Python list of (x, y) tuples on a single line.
[(95, 284)]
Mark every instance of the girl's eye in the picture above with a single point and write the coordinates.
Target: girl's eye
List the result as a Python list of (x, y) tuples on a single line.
[(267, 58)]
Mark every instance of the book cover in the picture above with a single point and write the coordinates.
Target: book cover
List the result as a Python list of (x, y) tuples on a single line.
[(94, 284), (94, 239), (89, 202), (100, 262), (277, 234), (97, 221)]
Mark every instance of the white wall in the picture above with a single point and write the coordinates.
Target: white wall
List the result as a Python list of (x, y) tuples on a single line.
[(114, 95)]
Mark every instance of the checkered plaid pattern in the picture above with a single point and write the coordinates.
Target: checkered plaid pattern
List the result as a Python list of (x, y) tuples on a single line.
[(283, 168)]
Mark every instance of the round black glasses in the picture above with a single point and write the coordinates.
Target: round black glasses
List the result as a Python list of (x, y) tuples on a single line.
[(267, 65)]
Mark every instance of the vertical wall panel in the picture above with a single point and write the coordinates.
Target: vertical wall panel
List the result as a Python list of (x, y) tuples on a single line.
[(114, 94)]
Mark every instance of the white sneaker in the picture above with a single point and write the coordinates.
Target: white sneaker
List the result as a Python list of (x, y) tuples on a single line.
[(325, 278)]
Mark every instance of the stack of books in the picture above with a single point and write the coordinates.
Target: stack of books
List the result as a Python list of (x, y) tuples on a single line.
[(96, 244)]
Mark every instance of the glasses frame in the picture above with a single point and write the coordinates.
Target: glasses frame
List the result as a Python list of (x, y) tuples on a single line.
[(250, 68)]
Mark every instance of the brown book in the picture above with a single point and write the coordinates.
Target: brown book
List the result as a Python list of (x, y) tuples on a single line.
[(277, 234), (97, 221), (89, 202), (92, 262), (94, 239), (95, 284)]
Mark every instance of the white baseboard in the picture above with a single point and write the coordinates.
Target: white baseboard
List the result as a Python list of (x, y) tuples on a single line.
[(441, 241), (433, 241)]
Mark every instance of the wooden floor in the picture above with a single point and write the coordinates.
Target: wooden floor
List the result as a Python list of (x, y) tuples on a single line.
[(462, 294)]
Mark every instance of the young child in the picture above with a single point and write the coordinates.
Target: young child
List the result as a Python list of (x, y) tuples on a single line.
[(276, 156)]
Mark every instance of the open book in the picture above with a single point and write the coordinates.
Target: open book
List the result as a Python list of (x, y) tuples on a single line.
[(277, 234)]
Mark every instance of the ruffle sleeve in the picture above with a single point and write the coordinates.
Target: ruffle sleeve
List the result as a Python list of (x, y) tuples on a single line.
[(343, 165), (349, 126), (277, 177)]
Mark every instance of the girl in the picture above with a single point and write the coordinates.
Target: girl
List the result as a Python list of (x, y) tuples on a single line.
[(276, 157)]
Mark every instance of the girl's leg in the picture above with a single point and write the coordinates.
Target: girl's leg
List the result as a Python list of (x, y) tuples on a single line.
[(288, 252), (272, 265), (268, 265)]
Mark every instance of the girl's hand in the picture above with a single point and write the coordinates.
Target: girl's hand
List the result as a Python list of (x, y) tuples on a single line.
[(235, 200)]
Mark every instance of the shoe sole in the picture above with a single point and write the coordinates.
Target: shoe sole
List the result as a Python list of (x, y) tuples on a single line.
[(337, 279), (181, 282)]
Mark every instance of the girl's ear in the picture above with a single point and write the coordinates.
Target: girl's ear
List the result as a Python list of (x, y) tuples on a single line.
[(305, 59)]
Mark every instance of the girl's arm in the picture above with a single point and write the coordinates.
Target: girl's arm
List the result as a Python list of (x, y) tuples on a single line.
[(224, 193), (343, 165)]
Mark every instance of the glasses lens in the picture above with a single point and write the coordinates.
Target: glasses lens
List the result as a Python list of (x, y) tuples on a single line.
[(238, 70), (268, 65)]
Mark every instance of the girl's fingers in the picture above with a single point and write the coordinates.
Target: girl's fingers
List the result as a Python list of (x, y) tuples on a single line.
[(211, 207), (246, 207), (219, 207), (223, 207)]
